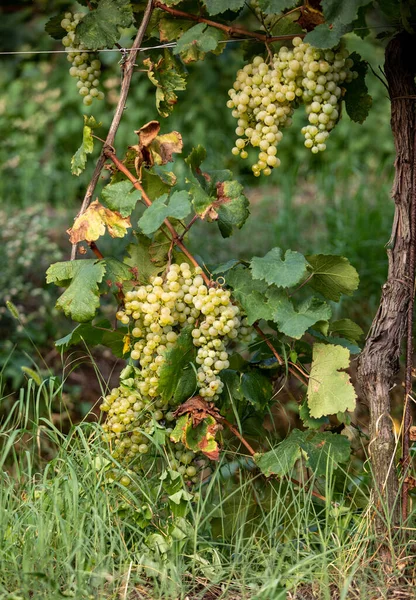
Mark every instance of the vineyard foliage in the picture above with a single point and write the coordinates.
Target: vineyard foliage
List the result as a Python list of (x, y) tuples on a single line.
[(207, 347)]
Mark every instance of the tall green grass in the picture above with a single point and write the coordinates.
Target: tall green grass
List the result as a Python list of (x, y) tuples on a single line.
[(68, 530)]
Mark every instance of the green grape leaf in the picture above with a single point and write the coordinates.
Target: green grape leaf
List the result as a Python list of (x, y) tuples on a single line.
[(337, 341), (194, 160), (215, 7), (91, 335), (231, 206), (172, 28), (308, 421), (81, 278), (294, 321), (93, 223), (250, 293), (256, 389), (274, 7), (79, 160), (347, 329), (140, 260), (285, 272), (117, 341), (329, 390), (116, 273), (332, 276), (285, 26), (179, 207), (169, 76), (231, 380), (186, 387), (339, 18), (160, 247), (155, 185), (201, 201), (121, 197), (197, 41), (54, 27), (317, 449), (176, 359), (100, 28), (357, 99)]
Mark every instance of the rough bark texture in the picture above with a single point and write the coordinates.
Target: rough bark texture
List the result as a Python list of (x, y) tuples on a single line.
[(379, 361)]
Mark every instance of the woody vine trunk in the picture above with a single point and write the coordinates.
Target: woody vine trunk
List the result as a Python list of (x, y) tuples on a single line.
[(379, 361)]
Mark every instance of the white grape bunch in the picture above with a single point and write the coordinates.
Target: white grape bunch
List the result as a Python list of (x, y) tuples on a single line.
[(265, 95), (85, 65), (156, 314)]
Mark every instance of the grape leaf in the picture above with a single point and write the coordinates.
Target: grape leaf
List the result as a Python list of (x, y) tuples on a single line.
[(154, 149), (81, 278), (79, 160), (329, 390), (317, 448), (116, 272), (308, 421), (357, 99), (186, 387), (339, 18), (92, 335), (179, 207), (156, 185), (281, 272), (231, 206), (347, 329), (256, 389), (176, 359), (274, 7), (200, 438), (121, 197), (332, 276), (197, 41), (92, 224), (216, 7), (54, 27), (250, 294), (171, 29), (169, 76), (100, 27), (140, 259), (294, 321)]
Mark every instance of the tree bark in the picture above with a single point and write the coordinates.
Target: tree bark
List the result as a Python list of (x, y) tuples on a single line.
[(379, 361)]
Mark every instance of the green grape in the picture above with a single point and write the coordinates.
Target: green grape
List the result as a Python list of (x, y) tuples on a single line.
[(85, 67), (265, 94)]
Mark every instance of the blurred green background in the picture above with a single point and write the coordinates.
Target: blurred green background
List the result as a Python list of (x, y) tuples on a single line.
[(336, 202)]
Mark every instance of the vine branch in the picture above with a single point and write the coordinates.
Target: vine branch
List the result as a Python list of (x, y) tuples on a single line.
[(230, 30), (127, 71)]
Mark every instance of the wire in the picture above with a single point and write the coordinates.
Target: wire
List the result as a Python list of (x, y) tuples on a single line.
[(161, 46)]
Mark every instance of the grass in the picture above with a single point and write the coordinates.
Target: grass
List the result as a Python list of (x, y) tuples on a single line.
[(68, 530)]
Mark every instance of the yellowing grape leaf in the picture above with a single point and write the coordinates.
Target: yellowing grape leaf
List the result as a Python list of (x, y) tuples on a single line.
[(169, 76), (92, 224), (154, 149), (329, 389)]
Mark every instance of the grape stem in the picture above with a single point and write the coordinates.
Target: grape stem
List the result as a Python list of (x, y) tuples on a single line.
[(176, 238), (127, 72), (93, 246), (229, 30)]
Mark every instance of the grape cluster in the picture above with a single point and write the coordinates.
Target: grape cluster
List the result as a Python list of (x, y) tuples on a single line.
[(85, 65), (156, 314), (265, 95)]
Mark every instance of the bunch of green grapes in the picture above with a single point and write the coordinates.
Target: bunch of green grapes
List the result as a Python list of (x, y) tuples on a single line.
[(265, 95), (85, 65), (156, 314)]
